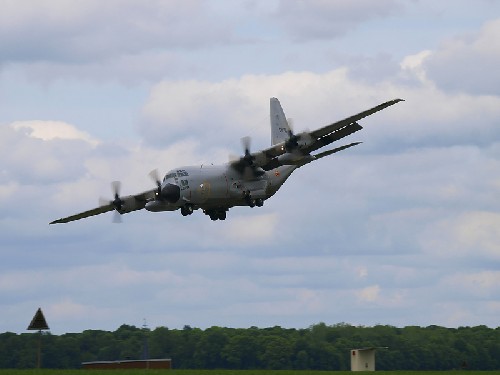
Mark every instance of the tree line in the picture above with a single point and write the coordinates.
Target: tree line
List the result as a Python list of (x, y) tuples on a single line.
[(319, 347)]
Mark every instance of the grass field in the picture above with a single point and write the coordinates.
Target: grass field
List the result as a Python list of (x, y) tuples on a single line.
[(229, 372)]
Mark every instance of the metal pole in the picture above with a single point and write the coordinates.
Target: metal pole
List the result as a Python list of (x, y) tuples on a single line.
[(39, 349)]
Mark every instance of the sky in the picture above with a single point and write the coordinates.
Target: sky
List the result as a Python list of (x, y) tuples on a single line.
[(403, 229)]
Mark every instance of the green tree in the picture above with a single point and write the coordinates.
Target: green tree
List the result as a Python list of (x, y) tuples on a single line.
[(242, 351), (277, 353), (208, 351)]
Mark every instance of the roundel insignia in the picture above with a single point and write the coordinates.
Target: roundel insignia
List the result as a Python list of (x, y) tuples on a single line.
[(277, 173)]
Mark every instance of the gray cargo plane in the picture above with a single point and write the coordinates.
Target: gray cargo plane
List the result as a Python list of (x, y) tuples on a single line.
[(245, 181)]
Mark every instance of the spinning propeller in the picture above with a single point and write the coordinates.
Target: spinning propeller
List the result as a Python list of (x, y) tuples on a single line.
[(248, 158), (292, 143), (156, 178), (246, 163), (117, 202), (293, 140)]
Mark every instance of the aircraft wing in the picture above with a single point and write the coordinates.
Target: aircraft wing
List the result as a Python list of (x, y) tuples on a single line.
[(129, 203), (352, 119), (308, 142), (81, 215)]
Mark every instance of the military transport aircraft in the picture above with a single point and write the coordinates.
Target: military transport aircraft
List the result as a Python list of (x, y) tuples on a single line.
[(245, 181)]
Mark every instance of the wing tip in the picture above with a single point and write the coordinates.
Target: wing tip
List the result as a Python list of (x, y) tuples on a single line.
[(390, 102)]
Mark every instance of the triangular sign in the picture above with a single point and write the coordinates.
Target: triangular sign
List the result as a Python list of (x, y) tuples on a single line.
[(38, 322)]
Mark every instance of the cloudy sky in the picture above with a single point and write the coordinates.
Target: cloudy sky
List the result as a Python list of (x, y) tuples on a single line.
[(403, 229)]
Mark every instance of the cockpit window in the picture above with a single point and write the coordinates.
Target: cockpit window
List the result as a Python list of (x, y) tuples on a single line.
[(169, 175), (177, 173)]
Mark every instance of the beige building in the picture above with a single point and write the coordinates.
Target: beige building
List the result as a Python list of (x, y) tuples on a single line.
[(363, 359)]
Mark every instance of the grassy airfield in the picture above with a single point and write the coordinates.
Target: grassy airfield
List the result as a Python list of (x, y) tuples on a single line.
[(231, 372)]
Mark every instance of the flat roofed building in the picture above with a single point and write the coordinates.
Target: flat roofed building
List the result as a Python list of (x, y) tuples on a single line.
[(129, 364), (363, 359)]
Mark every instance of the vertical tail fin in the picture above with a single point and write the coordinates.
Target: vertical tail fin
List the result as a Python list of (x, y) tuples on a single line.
[(280, 130)]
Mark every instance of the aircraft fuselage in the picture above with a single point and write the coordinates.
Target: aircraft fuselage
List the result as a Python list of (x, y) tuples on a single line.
[(217, 188)]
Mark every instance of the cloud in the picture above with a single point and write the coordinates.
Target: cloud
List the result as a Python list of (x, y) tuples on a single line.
[(61, 30), (135, 42), (223, 112), (369, 294), (401, 229), (130, 41), (319, 19), (252, 230), (468, 63), (215, 112), (480, 285), (42, 151), (412, 66), (127, 69), (49, 130), (467, 235), (66, 310)]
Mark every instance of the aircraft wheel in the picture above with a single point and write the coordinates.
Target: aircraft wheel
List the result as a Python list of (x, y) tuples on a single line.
[(213, 215), (250, 201), (221, 215), (259, 202), (187, 210)]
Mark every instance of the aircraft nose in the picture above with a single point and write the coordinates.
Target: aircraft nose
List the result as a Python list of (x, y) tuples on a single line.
[(171, 193)]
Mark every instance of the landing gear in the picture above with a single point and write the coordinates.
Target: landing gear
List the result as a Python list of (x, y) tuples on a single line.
[(251, 202), (259, 202), (216, 214), (248, 198), (187, 209)]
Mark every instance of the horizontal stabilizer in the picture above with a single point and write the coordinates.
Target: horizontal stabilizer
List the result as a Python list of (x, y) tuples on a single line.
[(329, 152)]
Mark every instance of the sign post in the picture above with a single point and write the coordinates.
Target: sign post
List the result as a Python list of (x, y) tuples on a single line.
[(38, 323)]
